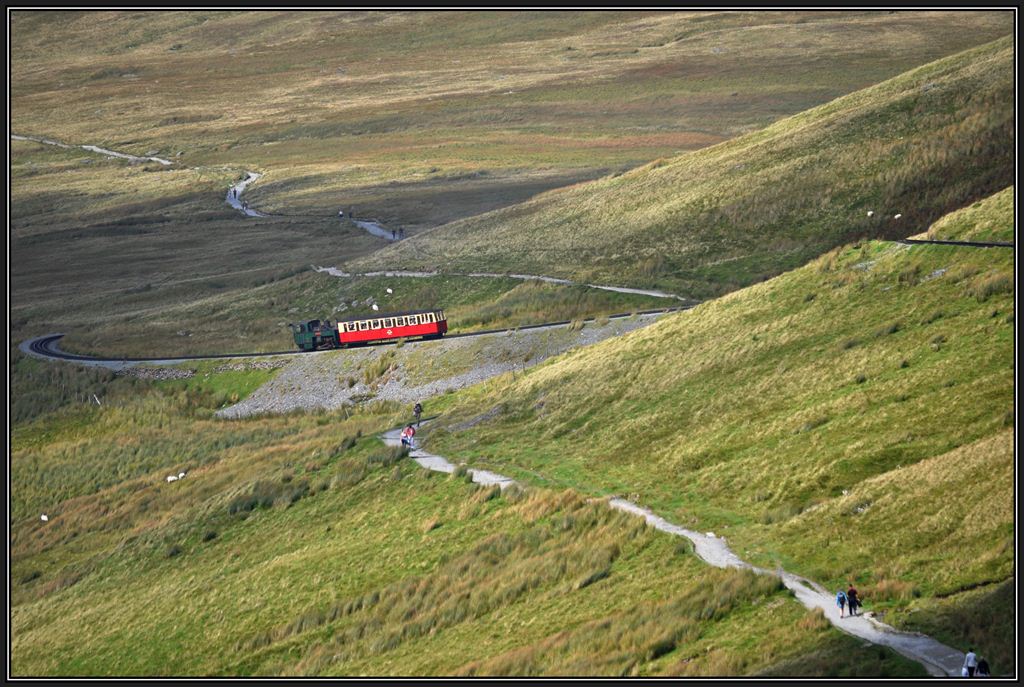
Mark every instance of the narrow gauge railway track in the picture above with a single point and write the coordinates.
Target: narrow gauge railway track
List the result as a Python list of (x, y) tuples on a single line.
[(46, 346), (971, 244)]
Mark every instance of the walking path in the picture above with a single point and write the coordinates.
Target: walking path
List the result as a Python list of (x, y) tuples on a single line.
[(374, 227), (234, 197), (937, 658), (94, 149), (335, 272)]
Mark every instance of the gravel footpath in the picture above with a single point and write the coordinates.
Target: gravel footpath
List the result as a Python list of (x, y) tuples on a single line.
[(321, 379), (937, 658)]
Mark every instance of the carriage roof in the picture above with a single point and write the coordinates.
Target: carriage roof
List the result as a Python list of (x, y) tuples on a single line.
[(382, 315)]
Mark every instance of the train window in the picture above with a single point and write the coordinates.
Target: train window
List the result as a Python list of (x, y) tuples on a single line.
[(403, 321), (363, 326)]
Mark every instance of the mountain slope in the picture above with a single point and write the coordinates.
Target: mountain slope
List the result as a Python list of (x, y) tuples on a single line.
[(918, 145), (850, 419), (295, 546)]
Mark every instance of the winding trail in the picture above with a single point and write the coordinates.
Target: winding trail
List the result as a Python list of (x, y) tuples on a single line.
[(93, 149), (234, 197), (374, 227), (937, 658), (335, 272)]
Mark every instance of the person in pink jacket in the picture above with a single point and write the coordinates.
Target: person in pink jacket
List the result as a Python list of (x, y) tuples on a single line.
[(407, 436)]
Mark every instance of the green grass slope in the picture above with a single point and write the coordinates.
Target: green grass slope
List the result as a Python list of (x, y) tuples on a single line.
[(851, 420), (990, 219), (920, 145), (299, 545)]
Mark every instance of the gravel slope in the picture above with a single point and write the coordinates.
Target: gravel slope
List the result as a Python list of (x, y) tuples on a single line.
[(419, 370)]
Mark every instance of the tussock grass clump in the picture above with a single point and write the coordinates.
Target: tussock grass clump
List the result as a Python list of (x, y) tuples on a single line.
[(888, 329), (30, 577), (348, 473), (379, 367), (265, 494), (814, 621), (991, 285), (891, 590), (430, 524), (812, 424), (388, 457), (780, 514)]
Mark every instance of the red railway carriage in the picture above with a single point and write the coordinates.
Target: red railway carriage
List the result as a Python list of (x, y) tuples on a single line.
[(355, 331), (430, 324)]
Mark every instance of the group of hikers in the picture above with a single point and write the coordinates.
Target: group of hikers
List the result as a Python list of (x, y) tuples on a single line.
[(974, 666), (850, 599), (847, 599), (409, 432)]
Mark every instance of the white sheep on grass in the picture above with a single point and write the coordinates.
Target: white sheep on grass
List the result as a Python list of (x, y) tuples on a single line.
[(172, 478), (897, 215), (871, 213)]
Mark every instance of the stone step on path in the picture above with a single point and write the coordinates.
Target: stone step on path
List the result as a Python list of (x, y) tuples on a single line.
[(937, 658)]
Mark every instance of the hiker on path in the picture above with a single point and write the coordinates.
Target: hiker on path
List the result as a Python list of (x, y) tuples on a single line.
[(983, 670), (401, 233), (971, 662), (841, 602), (394, 235), (417, 410), (852, 600), (407, 436)]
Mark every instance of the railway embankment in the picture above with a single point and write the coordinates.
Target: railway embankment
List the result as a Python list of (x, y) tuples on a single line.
[(411, 373)]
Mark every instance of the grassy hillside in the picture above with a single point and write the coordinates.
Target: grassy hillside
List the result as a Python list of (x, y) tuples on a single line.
[(991, 219), (920, 145), (299, 545), (851, 420)]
